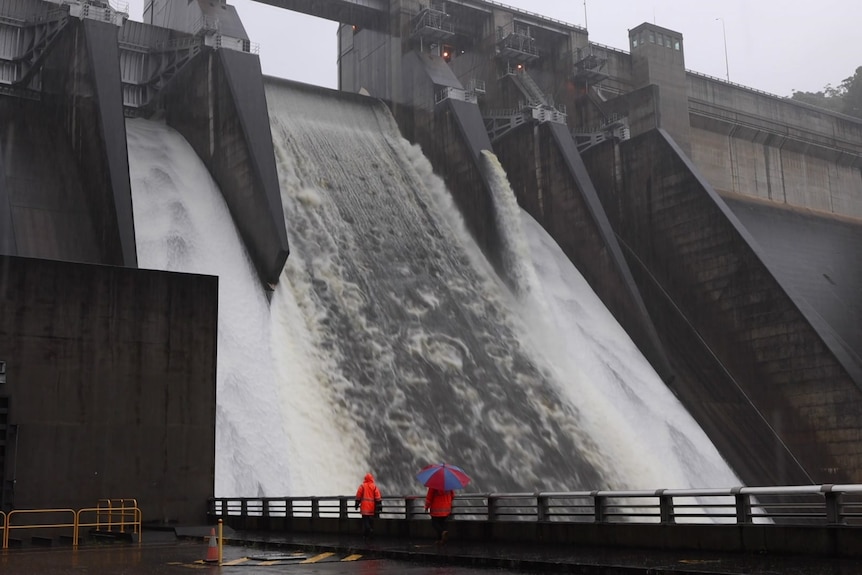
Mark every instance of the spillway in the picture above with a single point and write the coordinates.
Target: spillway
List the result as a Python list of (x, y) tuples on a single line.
[(390, 342)]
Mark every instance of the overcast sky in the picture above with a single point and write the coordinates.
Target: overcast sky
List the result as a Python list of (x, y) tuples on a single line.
[(777, 46)]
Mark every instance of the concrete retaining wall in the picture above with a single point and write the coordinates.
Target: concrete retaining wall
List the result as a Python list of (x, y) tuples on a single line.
[(110, 387), (759, 145)]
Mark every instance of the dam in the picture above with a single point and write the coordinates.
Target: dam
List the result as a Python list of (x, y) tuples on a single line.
[(717, 225)]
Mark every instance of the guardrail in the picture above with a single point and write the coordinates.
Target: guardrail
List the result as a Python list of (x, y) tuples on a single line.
[(812, 505), (534, 15), (125, 516)]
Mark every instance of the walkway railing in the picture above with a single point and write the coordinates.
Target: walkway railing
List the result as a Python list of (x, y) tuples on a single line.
[(802, 505)]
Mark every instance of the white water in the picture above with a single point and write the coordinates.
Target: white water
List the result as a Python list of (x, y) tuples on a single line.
[(623, 400), (182, 224), (386, 312)]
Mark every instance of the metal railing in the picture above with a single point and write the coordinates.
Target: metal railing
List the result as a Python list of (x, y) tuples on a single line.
[(534, 15), (793, 505), (52, 519), (126, 516), (107, 509), (449, 92)]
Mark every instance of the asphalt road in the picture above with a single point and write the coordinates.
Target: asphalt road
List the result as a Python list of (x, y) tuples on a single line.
[(189, 558), (250, 554)]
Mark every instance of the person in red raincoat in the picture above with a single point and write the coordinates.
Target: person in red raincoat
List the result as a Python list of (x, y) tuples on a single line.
[(368, 500), (439, 505)]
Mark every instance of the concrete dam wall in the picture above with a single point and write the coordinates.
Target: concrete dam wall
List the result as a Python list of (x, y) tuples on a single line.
[(748, 346), (762, 369), (720, 227)]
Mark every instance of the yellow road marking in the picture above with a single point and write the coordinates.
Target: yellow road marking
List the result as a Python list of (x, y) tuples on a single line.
[(353, 557), (317, 558), (239, 561), (273, 562)]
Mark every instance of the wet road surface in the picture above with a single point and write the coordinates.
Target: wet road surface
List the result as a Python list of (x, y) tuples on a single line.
[(305, 554), (188, 557)]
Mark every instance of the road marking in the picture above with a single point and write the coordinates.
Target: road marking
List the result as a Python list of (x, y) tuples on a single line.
[(317, 558), (262, 561)]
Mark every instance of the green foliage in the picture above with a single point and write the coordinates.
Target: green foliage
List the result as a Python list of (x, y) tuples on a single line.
[(853, 94), (846, 98)]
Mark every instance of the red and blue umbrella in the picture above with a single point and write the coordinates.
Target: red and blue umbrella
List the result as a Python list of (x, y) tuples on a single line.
[(443, 476)]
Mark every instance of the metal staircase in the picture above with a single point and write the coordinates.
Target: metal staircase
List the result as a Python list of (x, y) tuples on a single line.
[(538, 107), (528, 87)]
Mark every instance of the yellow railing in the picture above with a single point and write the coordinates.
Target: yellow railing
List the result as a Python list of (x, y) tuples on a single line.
[(109, 507), (126, 516), (36, 512)]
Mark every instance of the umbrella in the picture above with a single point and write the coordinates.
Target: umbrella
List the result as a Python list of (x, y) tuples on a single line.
[(443, 476)]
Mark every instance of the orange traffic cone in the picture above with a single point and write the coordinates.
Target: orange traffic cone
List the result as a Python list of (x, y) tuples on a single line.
[(212, 550)]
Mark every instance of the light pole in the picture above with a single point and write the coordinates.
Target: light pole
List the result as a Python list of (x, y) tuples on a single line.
[(586, 25), (724, 35)]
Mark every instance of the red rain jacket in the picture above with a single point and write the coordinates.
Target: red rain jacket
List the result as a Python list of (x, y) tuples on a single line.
[(368, 495), (439, 503)]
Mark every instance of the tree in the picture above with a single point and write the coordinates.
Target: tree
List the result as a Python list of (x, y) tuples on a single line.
[(846, 98), (853, 94)]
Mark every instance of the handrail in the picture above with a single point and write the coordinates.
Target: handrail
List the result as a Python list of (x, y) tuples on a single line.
[(534, 15), (129, 516), (734, 84), (10, 527), (110, 510), (787, 505), (124, 512)]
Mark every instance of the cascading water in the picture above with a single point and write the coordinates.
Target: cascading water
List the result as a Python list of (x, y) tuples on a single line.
[(423, 355), (182, 224), (389, 342), (623, 402)]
